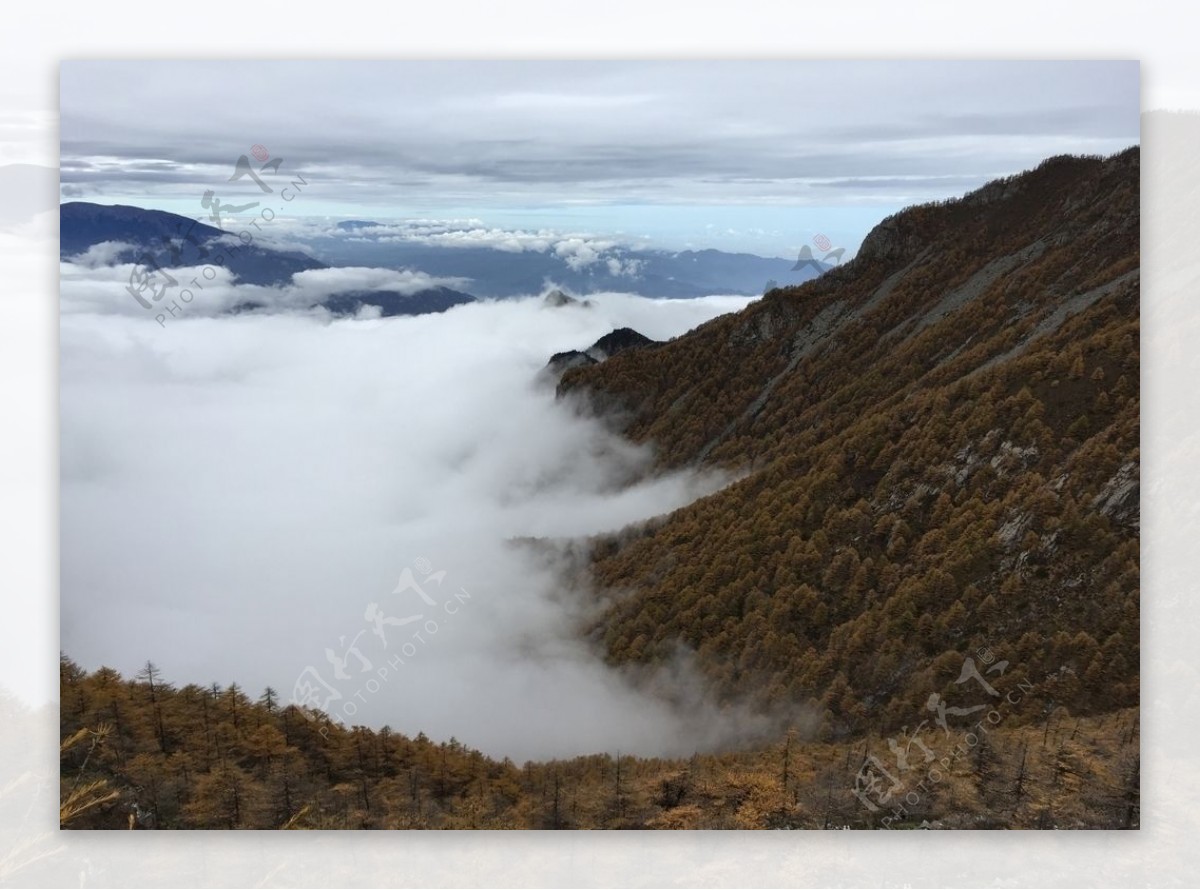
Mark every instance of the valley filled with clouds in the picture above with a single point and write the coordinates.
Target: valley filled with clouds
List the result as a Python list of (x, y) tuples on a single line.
[(248, 486)]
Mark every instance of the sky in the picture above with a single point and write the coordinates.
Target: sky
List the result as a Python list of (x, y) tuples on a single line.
[(756, 156)]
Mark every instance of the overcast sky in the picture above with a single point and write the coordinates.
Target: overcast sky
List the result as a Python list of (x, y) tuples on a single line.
[(746, 155)]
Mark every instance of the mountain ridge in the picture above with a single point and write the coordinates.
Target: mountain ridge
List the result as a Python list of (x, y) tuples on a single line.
[(942, 444), (614, 342)]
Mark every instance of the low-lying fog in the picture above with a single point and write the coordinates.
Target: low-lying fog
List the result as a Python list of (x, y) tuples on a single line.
[(243, 498)]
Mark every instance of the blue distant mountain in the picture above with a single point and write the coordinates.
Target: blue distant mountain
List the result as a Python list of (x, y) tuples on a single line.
[(171, 240), (502, 273), (168, 240), (433, 299), (348, 224)]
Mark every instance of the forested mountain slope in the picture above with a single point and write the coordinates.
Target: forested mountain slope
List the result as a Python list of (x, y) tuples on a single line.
[(942, 439)]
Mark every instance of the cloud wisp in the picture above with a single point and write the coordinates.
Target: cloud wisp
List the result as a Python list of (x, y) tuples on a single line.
[(91, 283)]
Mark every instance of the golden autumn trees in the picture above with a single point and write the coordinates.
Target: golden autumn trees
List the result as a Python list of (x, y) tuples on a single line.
[(937, 479), (290, 771)]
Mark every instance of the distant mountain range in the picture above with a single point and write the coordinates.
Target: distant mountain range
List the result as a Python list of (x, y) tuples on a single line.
[(168, 240), (171, 241), (499, 273)]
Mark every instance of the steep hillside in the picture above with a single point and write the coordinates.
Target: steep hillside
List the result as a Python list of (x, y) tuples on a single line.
[(943, 444)]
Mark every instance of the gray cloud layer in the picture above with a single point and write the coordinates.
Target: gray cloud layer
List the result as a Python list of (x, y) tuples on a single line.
[(470, 134)]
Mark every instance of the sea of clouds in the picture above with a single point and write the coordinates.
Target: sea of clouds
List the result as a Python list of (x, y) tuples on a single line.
[(341, 509)]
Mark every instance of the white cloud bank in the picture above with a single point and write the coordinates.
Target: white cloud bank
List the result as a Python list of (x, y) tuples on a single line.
[(89, 285), (578, 250), (237, 491)]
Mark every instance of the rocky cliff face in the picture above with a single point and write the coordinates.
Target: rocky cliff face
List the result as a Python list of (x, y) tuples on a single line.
[(613, 343)]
